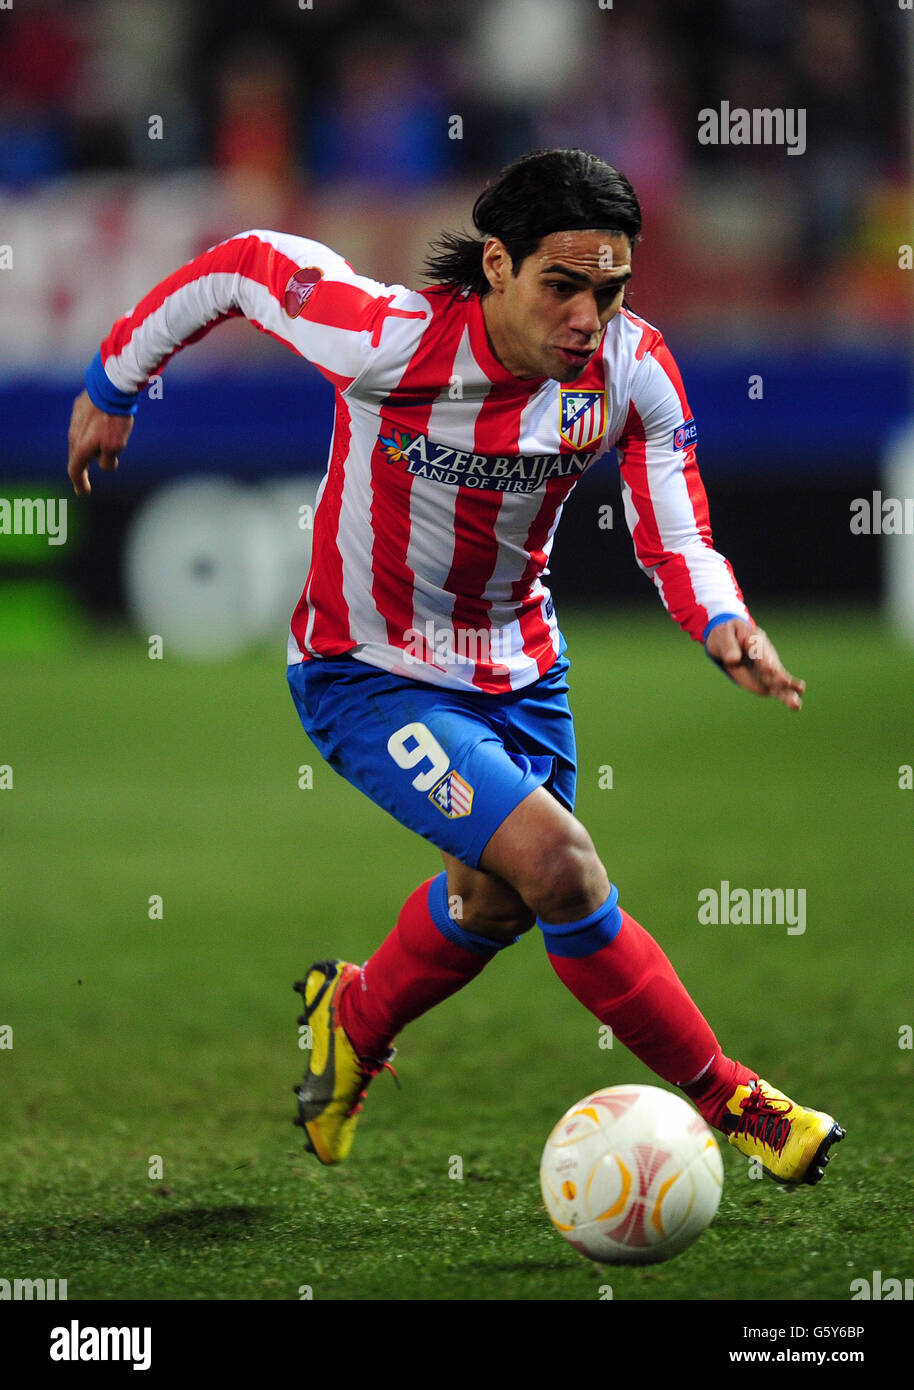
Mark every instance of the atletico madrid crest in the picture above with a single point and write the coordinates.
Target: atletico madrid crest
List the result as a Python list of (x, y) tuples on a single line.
[(582, 416), (453, 796)]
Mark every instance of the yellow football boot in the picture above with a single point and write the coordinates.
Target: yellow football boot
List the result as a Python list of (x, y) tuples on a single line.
[(791, 1143), (330, 1097)]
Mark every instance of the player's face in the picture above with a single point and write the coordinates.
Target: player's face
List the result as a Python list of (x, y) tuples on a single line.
[(548, 321)]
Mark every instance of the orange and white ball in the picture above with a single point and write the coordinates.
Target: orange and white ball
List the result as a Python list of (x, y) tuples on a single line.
[(631, 1175)]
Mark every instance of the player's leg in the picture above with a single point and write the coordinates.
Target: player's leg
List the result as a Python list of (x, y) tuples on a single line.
[(433, 950), (607, 960), (449, 928), (484, 903), (355, 1013), (619, 972), (509, 827), (447, 931), (436, 761)]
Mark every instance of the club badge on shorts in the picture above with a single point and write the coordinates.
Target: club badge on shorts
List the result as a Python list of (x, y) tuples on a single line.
[(452, 795), (582, 416)]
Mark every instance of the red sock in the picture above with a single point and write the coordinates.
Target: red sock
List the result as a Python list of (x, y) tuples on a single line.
[(712, 1091), (628, 982), (414, 968)]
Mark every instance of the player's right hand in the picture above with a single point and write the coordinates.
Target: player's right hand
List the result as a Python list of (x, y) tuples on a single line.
[(93, 434), (749, 658)]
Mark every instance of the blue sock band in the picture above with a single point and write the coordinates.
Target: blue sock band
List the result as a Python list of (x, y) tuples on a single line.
[(584, 937), (438, 907)]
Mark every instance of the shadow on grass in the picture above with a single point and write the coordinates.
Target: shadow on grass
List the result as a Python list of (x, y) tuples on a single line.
[(185, 1226), (557, 1267)]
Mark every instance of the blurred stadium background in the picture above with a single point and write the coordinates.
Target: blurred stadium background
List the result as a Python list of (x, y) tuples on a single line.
[(337, 121), (139, 1035)]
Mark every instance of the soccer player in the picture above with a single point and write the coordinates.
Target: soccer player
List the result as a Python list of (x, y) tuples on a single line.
[(425, 659)]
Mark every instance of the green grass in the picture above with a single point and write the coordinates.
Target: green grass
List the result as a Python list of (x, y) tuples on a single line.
[(135, 1037)]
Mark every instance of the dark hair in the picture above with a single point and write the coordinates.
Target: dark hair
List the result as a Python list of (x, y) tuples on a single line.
[(543, 192)]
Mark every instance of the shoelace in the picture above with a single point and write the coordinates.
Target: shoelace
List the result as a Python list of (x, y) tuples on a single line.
[(763, 1121), (370, 1068)]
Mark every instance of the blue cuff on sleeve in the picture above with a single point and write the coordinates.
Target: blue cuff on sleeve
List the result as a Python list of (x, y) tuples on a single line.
[(716, 622), (722, 618), (104, 395)]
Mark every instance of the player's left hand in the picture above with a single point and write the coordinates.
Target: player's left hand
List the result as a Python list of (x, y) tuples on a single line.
[(750, 658)]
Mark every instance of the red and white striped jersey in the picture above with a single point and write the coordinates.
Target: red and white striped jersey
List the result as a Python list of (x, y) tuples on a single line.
[(447, 474)]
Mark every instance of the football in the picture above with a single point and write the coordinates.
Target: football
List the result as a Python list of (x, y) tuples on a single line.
[(631, 1175)]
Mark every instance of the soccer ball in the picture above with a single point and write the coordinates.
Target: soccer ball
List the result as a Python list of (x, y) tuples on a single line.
[(631, 1175)]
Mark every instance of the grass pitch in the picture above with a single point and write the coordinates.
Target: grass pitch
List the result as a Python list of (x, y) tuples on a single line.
[(146, 1148)]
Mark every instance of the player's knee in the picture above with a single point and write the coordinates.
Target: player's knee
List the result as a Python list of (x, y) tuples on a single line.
[(499, 923), (569, 882)]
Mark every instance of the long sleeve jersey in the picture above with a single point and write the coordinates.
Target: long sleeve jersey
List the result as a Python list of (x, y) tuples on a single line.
[(447, 474)]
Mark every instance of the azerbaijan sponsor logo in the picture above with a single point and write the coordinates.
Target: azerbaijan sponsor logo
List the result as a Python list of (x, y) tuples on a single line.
[(499, 472)]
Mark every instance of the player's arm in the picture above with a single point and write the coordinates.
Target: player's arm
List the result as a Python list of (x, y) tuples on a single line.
[(666, 509), (295, 289)]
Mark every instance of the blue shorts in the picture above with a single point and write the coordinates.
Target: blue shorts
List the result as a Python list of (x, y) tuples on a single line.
[(449, 765)]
